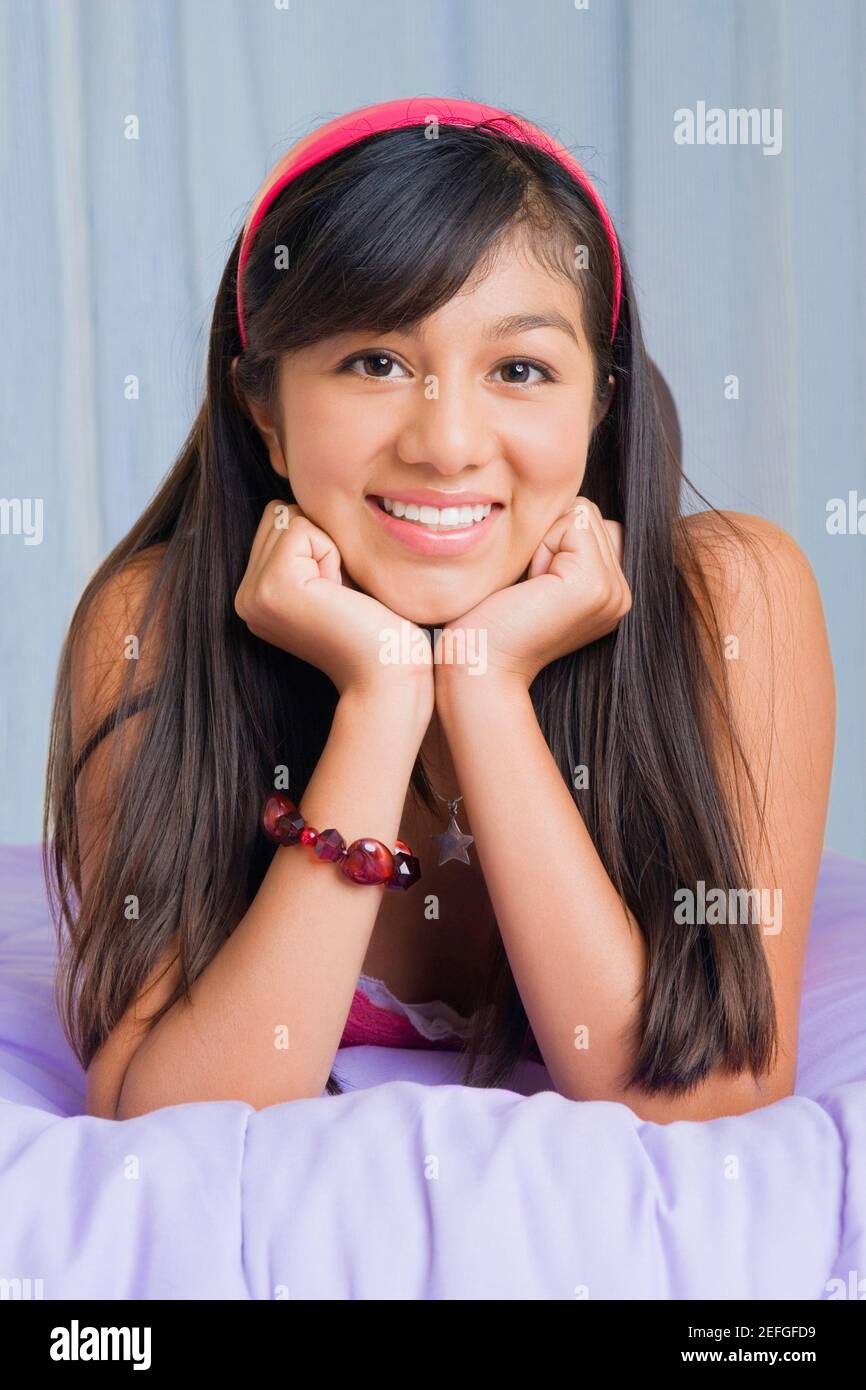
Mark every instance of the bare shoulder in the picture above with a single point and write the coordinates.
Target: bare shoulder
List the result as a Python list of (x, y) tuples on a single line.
[(739, 554), (753, 584), (123, 596), (111, 635), (114, 656), (759, 596)]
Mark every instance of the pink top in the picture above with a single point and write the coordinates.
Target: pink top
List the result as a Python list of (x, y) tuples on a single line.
[(379, 1019)]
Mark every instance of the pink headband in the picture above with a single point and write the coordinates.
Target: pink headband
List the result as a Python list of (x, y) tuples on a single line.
[(391, 115)]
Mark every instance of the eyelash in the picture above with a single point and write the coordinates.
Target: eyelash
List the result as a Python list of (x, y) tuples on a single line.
[(547, 374)]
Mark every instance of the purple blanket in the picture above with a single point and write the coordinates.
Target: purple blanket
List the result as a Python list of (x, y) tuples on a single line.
[(412, 1186)]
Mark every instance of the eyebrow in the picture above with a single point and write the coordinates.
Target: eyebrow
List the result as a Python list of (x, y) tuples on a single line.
[(522, 323), (505, 327)]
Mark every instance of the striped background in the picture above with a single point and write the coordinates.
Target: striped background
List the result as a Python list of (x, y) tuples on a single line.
[(111, 252)]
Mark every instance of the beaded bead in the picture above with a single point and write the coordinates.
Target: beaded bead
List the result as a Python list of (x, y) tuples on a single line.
[(281, 819), (330, 845), (367, 861), (407, 869)]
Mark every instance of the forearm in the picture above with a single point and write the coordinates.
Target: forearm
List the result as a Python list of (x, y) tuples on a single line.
[(266, 1015), (576, 955)]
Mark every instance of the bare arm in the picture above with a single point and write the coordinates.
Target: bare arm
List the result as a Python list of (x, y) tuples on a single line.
[(291, 964), (583, 961), (263, 1020)]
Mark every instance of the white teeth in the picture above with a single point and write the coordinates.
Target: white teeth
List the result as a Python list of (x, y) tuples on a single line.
[(444, 517)]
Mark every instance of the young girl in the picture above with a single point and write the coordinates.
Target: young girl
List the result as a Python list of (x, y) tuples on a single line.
[(419, 580)]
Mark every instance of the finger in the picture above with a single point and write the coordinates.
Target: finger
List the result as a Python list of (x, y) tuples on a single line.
[(275, 519), (616, 538), (610, 533), (308, 541), (610, 538), (303, 540), (571, 532), (261, 545), (540, 562), (585, 525), (599, 526)]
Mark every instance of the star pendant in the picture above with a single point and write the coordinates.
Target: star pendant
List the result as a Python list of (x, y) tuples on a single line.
[(452, 843)]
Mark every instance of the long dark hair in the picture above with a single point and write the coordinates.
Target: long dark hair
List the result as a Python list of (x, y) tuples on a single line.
[(379, 236)]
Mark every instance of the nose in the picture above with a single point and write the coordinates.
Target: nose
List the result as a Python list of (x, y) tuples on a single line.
[(445, 428)]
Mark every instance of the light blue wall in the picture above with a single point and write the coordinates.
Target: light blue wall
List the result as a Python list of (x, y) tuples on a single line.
[(112, 249)]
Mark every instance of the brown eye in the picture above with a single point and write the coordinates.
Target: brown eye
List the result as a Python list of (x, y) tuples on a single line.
[(522, 367), (380, 364)]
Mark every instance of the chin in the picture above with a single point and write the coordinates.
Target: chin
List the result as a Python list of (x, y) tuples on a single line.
[(429, 612), (426, 605)]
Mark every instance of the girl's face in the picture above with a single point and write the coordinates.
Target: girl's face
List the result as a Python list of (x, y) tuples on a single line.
[(489, 401)]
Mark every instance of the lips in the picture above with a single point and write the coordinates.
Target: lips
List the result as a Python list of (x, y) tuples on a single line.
[(428, 496), (430, 540), (440, 518)]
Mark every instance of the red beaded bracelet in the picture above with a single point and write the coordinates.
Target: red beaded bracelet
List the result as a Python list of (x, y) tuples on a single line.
[(363, 861)]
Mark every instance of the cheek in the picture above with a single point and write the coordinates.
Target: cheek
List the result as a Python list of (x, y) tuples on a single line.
[(549, 446), (322, 431), (547, 488), (324, 471)]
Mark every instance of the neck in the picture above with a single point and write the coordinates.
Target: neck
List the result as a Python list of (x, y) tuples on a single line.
[(437, 759), (435, 751)]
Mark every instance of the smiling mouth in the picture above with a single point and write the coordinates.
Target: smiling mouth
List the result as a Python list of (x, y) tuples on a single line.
[(437, 519)]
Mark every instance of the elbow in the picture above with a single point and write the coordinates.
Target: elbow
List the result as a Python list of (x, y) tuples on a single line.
[(132, 1102), (127, 1109), (129, 1105), (714, 1100), (101, 1098), (719, 1097), (100, 1110), (665, 1110), (137, 1096)]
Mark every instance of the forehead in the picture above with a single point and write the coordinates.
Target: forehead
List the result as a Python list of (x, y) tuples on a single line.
[(528, 263), (513, 292), (526, 281), (530, 271)]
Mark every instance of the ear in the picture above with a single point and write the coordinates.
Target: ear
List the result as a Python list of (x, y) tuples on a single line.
[(263, 422), (604, 407)]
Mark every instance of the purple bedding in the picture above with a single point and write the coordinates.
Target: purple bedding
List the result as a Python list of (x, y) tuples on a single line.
[(414, 1187)]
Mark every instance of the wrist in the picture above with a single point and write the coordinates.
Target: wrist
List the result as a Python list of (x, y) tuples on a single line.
[(457, 689), (460, 677), (408, 697)]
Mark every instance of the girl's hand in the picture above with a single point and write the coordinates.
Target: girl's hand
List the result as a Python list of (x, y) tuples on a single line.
[(294, 596), (574, 592)]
